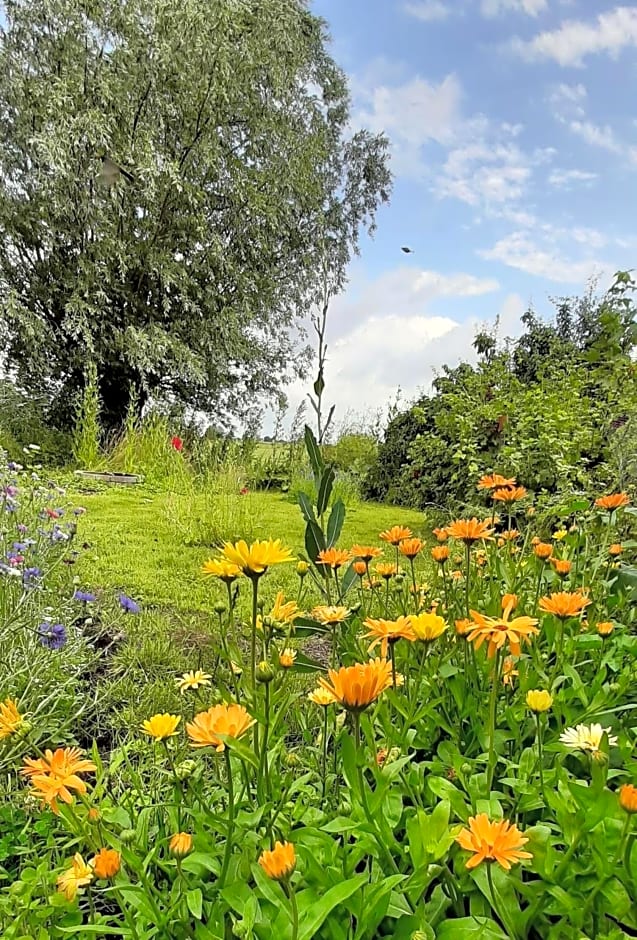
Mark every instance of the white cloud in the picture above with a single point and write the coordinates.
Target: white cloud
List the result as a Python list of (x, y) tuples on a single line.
[(385, 333), (412, 114), (564, 179), (569, 44), (567, 100), (597, 136), (427, 10), (519, 251), (530, 7)]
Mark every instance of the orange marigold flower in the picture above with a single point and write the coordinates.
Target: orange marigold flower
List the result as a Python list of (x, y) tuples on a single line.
[(509, 672), (499, 841), (287, 658), (507, 494), (510, 535), (280, 862), (381, 756), (395, 535), (564, 604), (440, 553), (562, 566), (510, 600), (499, 630), (464, 626), (53, 776), (492, 481), (605, 627), (333, 557), (10, 718), (93, 814), (365, 552), (612, 501), (628, 798), (441, 534), (386, 571), (411, 547), (456, 575), (469, 530), (180, 844), (106, 863), (386, 632), (615, 549), (357, 686), (543, 550), (360, 568), (205, 728)]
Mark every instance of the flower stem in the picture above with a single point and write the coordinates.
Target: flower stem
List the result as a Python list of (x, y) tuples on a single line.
[(492, 716), (294, 911), (253, 638), (230, 833), (324, 761), (467, 586), (540, 754)]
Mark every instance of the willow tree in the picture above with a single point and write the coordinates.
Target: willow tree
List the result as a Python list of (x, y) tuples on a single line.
[(175, 178)]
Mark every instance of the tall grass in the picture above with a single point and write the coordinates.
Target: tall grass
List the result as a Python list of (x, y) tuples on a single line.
[(86, 448)]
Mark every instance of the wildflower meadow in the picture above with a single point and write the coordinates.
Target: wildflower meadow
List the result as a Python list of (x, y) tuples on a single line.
[(428, 736)]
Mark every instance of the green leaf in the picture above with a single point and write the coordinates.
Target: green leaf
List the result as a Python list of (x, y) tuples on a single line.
[(348, 579), (305, 664), (325, 490), (194, 900), (314, 916), (314, 453), (319, 384), (306, 507), (335, 522), (465, 928), (314, 542)]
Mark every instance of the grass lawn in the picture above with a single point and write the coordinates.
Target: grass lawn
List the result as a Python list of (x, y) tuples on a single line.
[(139, 543)]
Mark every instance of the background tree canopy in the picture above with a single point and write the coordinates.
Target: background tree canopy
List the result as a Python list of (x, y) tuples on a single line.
[(557, 408), (175, 179)]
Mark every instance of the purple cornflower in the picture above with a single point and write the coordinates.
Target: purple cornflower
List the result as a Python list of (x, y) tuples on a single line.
[(31, 574), (19, 547), (129, 605), (53, 636), (84, 596)]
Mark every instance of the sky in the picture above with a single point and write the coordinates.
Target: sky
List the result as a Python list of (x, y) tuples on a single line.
[(513, 133)]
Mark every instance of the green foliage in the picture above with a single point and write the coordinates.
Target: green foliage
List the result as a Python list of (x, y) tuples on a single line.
[(24, 420), (87, 432), (556, 409), (173, 182)]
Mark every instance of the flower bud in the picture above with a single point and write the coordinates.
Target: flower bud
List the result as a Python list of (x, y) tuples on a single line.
[(265, 672), (220, 607), (302, 568)]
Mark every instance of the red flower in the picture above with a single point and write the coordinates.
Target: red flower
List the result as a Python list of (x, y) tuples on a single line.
[(52, 514), (244, 491), (177, 443)]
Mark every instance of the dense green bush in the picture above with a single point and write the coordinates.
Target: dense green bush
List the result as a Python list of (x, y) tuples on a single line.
[(557, 409)]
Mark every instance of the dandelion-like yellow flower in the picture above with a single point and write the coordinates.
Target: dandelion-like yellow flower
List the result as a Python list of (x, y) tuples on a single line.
[(256, 558), (180, 844), (74, 878), (387, 632), (330, 615), (229, 720), (539, 700), (322, 697), (498, 841), (106, 863), (386, 571), (284, 611), (161, 726), (10, 718), (427, 626), (395, 535), (469, 530), (226, 571), (192, 680), (279, 862), (357, 686)]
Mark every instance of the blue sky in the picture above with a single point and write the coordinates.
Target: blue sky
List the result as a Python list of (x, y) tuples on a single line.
[(513, 132)]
